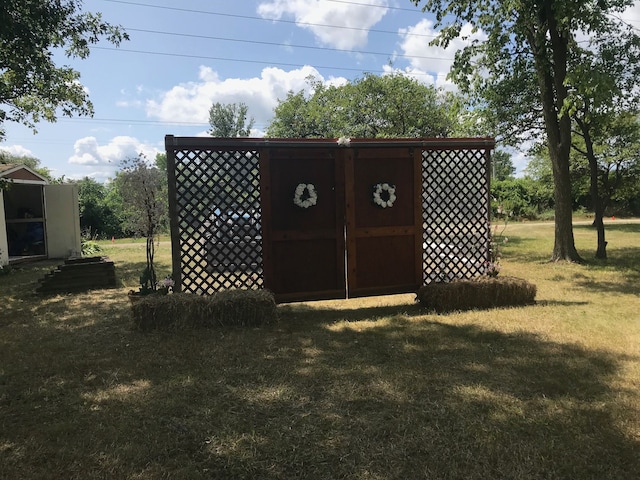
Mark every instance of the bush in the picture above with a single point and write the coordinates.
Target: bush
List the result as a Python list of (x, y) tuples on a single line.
[(90, 247), (179, 311), (477, 293)]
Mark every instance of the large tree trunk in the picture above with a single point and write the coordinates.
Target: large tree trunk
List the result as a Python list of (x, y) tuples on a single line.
[(598, 221), (564, 243), (551, 74), (596, 198)]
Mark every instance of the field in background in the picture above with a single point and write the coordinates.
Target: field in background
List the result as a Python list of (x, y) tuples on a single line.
[(372, 388)]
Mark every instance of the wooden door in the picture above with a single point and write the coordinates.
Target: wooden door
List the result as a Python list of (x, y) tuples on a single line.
[(304, 246), (383, 220)]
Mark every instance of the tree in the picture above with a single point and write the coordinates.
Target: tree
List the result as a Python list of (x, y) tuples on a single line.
[(230, 120), (145, 204), (96, 214), (501, 165), (603, 107), (32, 87), (370, 107), (523, 67), (161, 162)]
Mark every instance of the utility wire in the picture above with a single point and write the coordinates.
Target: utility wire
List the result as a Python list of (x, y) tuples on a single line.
[(250, 17), (239, 60), (277, 44)]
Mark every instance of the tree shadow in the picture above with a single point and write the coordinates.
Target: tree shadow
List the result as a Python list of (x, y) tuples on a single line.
[(613, 227), (319, 313), (624, 260), (407, 396)]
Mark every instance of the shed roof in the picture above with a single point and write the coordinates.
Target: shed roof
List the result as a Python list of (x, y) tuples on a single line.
[(19, 173)]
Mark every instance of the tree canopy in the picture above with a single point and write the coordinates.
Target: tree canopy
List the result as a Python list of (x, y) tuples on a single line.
[(230, 120), (32, 86), (373, 106), (525, 68)]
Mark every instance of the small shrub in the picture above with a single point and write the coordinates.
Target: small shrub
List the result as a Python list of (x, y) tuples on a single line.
[(477, 293), (89, 244), (243, 308), (90, 247)]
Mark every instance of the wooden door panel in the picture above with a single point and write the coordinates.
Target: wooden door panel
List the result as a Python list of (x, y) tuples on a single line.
[(308, 270), (305, 246), (385, 262), (395, 169), (384, 246)]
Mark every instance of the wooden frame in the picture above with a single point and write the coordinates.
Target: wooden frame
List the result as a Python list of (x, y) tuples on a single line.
[(443, 174)]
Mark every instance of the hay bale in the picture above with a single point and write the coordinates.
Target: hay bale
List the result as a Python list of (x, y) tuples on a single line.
[(181, 311), (477, 293)]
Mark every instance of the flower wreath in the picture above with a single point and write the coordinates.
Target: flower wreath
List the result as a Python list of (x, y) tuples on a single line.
[(311, 196), (378, 191)]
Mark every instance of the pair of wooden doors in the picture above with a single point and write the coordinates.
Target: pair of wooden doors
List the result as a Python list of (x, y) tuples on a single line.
[(361, 234)]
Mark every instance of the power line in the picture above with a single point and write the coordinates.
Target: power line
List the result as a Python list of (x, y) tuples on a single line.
[(278, 20), (388, 7), (278, 44), (239, 60), (132, 121)]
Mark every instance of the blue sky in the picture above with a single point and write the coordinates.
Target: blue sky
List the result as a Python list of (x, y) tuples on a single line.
[(184, 56)]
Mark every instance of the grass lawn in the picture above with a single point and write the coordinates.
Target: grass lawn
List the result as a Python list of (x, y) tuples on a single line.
[(370, 388)]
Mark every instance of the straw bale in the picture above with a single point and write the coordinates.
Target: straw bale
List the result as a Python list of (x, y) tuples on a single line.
[(182, 310), (477, 293)]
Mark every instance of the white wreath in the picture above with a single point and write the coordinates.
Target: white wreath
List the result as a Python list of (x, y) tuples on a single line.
[(377, 195), (312, 198)]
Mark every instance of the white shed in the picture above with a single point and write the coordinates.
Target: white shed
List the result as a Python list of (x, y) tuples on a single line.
[(37, 220)]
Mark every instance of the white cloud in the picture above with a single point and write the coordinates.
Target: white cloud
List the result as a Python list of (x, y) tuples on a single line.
[(341, 25), (425, 59), (18, 151), (88, 152), (190, 102), (632, 14)]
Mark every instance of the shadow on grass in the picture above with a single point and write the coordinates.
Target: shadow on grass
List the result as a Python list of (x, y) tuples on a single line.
[(623, 260), (407, 396), (613, 227), (308, 313)]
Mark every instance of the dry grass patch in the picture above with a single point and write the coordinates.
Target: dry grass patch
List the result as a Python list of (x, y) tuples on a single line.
[(369, 388)]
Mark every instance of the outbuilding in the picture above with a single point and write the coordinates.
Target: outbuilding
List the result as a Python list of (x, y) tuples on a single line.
[(38, 220)]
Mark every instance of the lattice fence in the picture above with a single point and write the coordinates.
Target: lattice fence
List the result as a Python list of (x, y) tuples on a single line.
[(217, 196), (216, 213), (455, 210)]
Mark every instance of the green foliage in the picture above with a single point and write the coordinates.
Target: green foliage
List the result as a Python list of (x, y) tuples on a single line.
[(370, 107), (229, 120), (90, 247), (161, 162), (501, 165), (89, 243), (33, 87), (526, 69), (239, 308), (97, 215), (520, 198)]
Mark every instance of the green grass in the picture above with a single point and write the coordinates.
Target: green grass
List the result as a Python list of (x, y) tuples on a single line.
[(361, 389)]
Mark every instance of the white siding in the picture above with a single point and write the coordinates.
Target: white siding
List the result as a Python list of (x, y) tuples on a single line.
[(62, 221), (4, 247)]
